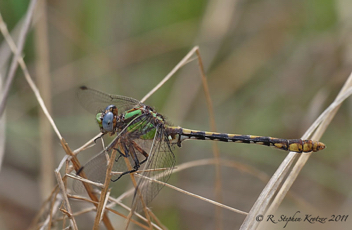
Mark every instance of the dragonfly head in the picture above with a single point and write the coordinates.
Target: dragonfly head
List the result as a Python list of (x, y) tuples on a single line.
[(111, 108), (107, 120)]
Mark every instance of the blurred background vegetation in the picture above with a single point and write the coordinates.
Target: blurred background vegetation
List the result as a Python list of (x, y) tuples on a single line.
[(272, 66)]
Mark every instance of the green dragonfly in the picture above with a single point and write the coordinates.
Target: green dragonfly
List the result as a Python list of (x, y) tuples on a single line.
[(145, 138)]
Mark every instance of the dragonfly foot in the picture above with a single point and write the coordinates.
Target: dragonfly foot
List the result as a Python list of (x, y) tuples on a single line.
[(95, 140), (127, 172)]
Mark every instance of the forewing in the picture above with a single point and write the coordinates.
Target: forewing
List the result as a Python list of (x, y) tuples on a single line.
[(95, 101), (159, 166)]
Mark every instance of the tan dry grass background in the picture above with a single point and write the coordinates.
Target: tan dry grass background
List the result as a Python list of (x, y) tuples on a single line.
[(272, 67)]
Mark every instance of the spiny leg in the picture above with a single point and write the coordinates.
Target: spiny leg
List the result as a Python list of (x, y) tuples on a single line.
[(134, 157), (136, 163), (122, 154), (139, 149)]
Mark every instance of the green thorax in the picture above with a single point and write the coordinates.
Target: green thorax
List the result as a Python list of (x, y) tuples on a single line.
[(143, 126)]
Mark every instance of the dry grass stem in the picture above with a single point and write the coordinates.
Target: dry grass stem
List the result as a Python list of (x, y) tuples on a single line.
[(279, 184), (169, 75), (108, 209), (262, 204), (16, 52), (65, 198), (195, 195), (44, 85), (104, 191), (87, 145), (104, 205), (157, 221), (100, 185), (76, 164), (141, 171), (345, 92), (2, 132), (139, 196), (216, 152), (241, 167), (31, 83), (117, 201)]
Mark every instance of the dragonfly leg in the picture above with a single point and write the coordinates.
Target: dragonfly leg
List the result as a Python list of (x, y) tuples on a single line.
[(118, 158), (124, 154), (121, 154), (95, 140), (135, 158), (124, 173), (136, 163), (139, 149), (133, 154)]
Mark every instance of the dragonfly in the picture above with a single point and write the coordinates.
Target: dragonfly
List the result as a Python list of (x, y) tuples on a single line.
[(144, 137)]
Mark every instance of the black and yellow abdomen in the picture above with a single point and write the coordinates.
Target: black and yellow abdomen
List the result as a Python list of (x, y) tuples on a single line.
[(294, 145)]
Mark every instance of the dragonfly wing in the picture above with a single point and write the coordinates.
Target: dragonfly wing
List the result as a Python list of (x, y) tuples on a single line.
[(159, 166), (95, 101), (95, 170)]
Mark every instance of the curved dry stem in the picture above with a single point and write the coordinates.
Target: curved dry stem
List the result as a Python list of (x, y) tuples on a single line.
[(65, 198), (31, 83), (196, 196), (187, 165), (262, 204), (172, 72), (304, 157), (108, 209), (17, 52)]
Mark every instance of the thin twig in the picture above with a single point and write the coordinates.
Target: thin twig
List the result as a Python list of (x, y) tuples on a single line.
[(262, 204), (17, 54), (87, 145), (2, 132), (195, 195), (104, 191), (216, 152), (344, 93), (65, 198), (14, 49), (180, 168), (100, 185), (109, 209), (172, 72), (44, 83), (76, 164), (53, 208), (118, 202), (138, 196), (42, 209)]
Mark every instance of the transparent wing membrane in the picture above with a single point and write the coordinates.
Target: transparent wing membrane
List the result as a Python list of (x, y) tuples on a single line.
[(95, 101), (95, 170), (159, 166), (147, 142), (153, 153)]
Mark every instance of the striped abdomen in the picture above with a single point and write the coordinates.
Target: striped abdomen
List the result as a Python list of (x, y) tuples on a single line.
[(294, 145)]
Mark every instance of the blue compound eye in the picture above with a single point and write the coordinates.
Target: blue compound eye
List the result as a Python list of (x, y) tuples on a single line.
[(108, 121), (111, 108)]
